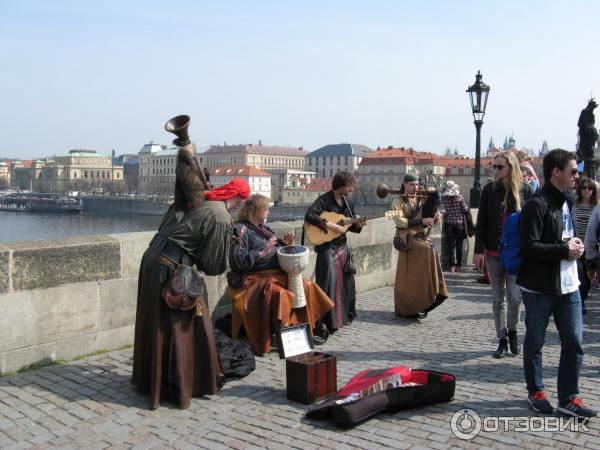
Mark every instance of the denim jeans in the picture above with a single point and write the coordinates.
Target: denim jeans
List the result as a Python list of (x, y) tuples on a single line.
[(507, 297), (566, 310)]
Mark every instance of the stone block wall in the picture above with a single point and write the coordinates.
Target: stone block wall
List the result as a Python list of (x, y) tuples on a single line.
[(64, 298)]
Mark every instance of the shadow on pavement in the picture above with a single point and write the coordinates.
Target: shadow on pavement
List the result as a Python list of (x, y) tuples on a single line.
[(80, 381)]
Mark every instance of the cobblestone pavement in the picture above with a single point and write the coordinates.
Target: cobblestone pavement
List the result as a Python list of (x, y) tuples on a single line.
[(90, 403)]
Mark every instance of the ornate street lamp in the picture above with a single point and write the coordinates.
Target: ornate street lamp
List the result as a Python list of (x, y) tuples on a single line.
[(478, 93)]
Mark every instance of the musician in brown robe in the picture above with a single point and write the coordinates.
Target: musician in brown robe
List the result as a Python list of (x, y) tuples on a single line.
[(174, 354), (261, 301), (420, 284), (335, 269)]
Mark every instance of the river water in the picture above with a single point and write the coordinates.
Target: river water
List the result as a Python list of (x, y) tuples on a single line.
[(28, 226)]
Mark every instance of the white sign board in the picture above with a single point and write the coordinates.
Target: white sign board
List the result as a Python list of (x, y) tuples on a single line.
[(295, 341)]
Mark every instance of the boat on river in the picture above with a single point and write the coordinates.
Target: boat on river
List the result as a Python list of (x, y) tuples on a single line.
[(40, 202)]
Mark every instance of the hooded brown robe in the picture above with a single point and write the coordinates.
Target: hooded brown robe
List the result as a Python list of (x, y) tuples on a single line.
[(174, 354)]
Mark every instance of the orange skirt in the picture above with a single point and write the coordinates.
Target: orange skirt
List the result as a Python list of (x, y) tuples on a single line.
[(264, 305)]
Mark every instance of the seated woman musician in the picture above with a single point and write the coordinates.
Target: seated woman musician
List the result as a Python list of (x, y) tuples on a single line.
[(261, 302)]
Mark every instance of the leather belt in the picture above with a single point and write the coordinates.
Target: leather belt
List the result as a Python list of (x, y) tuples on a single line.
[(170, 250)]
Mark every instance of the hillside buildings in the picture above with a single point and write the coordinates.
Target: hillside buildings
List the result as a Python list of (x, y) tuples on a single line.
[(328, 160), (79, 170), (261, 156)]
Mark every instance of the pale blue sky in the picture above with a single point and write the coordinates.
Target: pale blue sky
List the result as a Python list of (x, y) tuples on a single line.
[(107, 74)]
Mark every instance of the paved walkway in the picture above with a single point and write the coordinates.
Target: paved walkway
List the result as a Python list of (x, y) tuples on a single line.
[(90, 403)]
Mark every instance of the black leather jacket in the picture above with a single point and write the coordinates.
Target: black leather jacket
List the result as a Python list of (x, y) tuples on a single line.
[(488, 231), (542, 247)]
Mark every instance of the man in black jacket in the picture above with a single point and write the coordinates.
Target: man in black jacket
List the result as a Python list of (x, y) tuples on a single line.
[(550, 286)]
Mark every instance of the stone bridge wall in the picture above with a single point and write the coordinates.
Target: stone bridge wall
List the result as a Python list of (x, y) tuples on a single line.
[(64, 298)]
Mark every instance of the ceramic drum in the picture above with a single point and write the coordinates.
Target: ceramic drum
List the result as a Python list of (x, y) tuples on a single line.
[(294, 259)]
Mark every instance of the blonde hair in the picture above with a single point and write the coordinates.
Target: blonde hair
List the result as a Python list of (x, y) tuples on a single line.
[(252, 206), (512, 183), (522, 156)]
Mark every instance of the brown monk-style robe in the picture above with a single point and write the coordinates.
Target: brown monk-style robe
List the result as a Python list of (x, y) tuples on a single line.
[(420, 284), (174, 354)]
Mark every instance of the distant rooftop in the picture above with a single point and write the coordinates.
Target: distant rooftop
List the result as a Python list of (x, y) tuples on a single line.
[(83, 153), (239, 171), (82, 150), (151, 147), (342, 150), (257, 149)]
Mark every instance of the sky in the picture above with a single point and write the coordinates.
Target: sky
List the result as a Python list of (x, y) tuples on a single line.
[(108, 74)]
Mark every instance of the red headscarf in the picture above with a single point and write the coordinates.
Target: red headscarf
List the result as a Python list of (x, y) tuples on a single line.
[(237, 186)]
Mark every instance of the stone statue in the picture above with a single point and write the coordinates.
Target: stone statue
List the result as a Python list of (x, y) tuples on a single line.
[(588, 136), (428, 180)]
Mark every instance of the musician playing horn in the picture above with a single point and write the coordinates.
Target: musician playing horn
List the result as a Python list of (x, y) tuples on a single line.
[(262, 302), (334, 270), (420, 284)]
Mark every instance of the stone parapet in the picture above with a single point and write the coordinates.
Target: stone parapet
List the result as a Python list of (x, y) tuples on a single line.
[(64, 298)]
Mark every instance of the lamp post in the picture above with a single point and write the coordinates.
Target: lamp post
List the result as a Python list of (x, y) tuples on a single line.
[(478, 94)]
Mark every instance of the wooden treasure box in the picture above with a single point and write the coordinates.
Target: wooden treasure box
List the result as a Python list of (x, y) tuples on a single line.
[(310, 376)]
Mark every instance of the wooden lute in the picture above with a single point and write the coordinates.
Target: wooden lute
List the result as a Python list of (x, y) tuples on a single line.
[(318, 236)]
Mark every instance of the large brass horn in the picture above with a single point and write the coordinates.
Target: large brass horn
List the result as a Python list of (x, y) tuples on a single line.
[(178, 125), (383, 191)]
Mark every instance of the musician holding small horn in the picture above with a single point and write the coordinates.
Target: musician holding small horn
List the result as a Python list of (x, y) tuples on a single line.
[(174, 352), (420, 284), (335, 269)]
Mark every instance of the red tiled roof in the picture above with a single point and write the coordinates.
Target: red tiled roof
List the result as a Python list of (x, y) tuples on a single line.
[(401, 153), (26, 162), (401, 156), (319, 184)]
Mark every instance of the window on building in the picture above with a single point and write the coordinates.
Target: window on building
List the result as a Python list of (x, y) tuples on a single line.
[(346, 160)]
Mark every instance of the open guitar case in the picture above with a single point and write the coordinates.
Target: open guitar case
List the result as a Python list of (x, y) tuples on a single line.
[(374, 391)]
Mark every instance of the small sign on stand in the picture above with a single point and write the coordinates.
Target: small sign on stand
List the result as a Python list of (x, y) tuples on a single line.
[(310, 376)]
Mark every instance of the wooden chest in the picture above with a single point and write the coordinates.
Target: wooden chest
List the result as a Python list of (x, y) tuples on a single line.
[(310, 376)]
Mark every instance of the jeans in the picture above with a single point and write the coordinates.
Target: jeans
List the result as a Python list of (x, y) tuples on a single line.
[(505, 291), (454, 241), (566, 310)]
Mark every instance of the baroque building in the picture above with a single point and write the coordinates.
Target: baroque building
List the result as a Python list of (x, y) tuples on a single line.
[(327, 160)]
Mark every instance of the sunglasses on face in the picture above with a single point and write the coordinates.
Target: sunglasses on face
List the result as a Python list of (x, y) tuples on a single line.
[(498, 166), (587, 188)]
